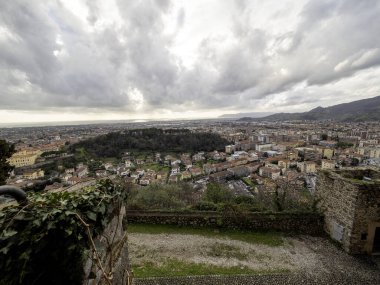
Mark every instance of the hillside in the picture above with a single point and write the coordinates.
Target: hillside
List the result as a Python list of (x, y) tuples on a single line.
[(158, 140), (356, 111)]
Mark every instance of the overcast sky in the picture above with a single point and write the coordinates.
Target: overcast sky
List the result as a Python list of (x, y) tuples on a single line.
[(119, 59)]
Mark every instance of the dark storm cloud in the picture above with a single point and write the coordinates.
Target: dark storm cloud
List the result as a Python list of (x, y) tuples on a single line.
[(50, 57)]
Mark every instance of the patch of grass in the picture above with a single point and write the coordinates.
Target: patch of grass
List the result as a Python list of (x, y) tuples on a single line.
[(156, 167), (81, 155), (227, 251), (174, 267), (266, 238), (112, 160), (248, 182)]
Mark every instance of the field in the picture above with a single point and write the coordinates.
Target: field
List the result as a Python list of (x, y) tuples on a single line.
[(171, 251), (246, 257)]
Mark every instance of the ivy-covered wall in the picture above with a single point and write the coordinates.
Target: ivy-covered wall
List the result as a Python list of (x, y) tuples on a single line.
[(66, 238)]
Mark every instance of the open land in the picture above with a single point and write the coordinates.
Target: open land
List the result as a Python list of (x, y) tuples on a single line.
[(207, 256)]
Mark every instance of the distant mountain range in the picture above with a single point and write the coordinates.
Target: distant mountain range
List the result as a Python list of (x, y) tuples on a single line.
[(356, 111), (250, 115)]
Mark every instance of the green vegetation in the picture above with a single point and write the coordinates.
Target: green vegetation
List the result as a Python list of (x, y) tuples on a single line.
[(52, 153), (81, 154), (183, 196), (354, 161), (217, 193), (216, 197), (344, 145), (248, 182), (227, 251), (267, 238), (177, 141), (44, 242), (174, 267), (156, 167), (162, 197), (6, 151), (94, 165)]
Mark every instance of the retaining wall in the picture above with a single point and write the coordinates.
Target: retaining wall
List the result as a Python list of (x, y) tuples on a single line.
[(304, 223)]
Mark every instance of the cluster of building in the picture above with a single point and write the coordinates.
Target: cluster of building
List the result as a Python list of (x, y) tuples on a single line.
[(258, 151)]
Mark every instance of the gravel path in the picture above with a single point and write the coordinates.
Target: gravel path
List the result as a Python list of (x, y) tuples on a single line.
[(310, 260)]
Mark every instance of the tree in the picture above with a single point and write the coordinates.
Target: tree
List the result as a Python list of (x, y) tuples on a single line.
[(290, 195), (343, 145), (355, 162), (285, 188), (217, 193), (6, 151)]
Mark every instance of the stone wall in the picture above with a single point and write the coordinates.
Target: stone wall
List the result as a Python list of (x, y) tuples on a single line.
[(351, 205), (305, 223), (367, 218), (337, 202), (112, 248)]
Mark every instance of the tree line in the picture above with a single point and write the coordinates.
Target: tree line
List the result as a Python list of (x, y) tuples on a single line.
[(153, 139)]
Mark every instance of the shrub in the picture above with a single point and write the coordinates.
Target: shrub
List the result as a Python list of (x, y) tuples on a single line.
[(206, 206)]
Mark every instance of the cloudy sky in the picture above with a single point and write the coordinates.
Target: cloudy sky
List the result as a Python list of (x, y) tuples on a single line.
[(120, 59)]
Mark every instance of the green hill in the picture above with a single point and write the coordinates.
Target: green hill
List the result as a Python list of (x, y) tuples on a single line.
[(180, 140)]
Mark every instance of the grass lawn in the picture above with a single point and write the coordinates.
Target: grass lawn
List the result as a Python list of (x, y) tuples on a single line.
[(174, 267), (266, 238), (112, 160), (248, 181), (81, 154), (156, 167)]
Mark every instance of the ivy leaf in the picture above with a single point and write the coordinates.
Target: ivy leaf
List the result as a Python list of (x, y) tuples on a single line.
[(68, 213), (91, 216), (69, 231), (102, 209), (4, 250), (25, 255), (71, 247), (9, 233), (44, 216), (85, 197), (19, 217), (56, 211), (51, 225), (37, 223), (40, 199)]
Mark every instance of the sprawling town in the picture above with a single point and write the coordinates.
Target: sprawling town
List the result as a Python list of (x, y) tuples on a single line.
[(258, 155)]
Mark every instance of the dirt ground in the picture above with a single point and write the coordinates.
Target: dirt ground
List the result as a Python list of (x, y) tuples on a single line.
[(310, 256)]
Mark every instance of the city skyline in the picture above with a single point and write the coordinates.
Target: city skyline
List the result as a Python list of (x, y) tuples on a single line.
[(128, 60)]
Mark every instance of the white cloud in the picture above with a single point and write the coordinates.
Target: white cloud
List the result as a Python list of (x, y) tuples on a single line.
[(147, 58)]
